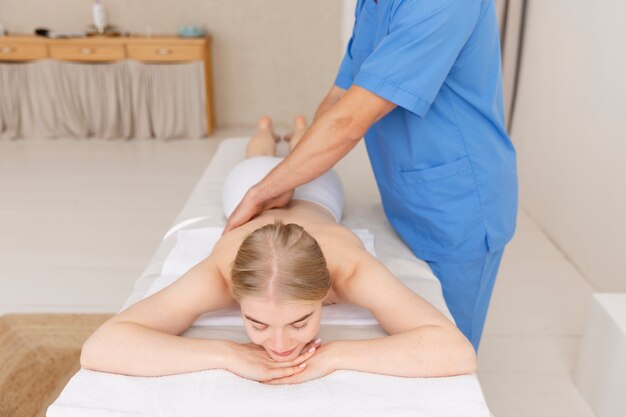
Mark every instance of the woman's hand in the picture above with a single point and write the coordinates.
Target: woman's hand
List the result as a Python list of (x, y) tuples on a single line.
[(322, 364), (252, 361)]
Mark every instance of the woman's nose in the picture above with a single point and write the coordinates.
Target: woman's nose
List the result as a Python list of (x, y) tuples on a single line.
[(281, 341)]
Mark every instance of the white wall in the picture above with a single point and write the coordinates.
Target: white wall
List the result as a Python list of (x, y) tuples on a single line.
[(570, 132), (347, 22)]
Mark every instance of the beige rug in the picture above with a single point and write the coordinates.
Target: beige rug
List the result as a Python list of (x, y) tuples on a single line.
[(39, 353)]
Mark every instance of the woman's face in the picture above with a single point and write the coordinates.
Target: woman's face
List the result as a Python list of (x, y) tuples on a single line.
[(281, 328)]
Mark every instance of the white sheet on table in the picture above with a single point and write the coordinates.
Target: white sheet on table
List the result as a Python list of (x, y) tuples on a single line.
[(194, 245), (221, 393)]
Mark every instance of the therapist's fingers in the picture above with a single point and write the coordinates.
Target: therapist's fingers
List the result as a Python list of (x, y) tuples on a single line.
[(244, 211), (252, 205), (236, 219)]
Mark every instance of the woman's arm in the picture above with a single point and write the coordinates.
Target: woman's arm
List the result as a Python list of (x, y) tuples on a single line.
[(422, 342), (129, 348), (429, 351), (144, 339)]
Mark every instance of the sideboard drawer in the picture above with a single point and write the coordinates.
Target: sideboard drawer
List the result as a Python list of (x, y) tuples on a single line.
[(22, 51), (165, 53), (157, 49), (95, 52)]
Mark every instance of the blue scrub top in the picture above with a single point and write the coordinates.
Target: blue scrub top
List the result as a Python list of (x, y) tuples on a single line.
[(444, 164)]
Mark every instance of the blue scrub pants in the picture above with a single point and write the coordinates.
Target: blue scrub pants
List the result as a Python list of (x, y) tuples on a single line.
[(467, 288)]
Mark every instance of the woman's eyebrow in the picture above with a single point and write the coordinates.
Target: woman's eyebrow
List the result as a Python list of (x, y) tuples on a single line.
[(293, 322)]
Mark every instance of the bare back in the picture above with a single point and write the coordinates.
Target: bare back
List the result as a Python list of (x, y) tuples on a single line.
[(357, 277), (334, 239)]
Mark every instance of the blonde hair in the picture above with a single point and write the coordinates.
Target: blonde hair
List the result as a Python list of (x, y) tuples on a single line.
[(282, 262)]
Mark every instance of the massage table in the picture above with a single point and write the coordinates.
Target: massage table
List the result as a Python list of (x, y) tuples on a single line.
[(218, 392)]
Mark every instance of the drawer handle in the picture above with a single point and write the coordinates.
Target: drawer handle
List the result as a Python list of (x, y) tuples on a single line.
[(164, 51), (6, 50), (86, 51)]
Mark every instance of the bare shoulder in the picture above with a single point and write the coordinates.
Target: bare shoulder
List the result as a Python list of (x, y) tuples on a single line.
[(335, 237), (342, 250), (397, 308), (174, 308), (225, 250)]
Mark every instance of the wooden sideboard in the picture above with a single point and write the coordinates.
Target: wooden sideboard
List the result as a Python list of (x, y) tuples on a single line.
[(158, 49)]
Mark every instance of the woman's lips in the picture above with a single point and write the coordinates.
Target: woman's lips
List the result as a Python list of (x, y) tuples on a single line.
[(289, 352)]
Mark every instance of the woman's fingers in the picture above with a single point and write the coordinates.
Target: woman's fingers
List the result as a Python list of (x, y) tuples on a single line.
[(297, 361), (285, 372), (308, 346), (313, 343)]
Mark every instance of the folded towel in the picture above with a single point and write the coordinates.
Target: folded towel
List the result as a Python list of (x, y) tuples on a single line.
[(194, 245)]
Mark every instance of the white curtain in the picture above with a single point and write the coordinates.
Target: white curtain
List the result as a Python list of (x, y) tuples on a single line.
[(125, 99), (511, 18)]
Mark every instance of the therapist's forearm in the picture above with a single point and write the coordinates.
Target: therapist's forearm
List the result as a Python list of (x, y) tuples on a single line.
[(325, 143), (333, 96), (327, 140), (430, 351), (131, 349)]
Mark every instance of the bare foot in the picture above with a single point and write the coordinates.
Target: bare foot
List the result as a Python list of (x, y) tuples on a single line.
[(263, 142), (299, 128), (265, 126)]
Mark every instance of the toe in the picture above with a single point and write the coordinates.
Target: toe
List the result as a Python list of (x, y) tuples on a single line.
[(299, 122), (265, 122)]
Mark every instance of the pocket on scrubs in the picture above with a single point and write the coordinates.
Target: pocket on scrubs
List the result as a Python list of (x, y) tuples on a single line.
[(444, 207), (436, 173)]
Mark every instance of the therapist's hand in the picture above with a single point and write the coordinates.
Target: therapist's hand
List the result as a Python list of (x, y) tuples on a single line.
[(254, 203)]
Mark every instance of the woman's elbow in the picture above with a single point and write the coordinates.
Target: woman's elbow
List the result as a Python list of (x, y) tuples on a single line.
[(88, 354), (466, 361), (85, 357), (91, 353), (456, 354), (452, 353)]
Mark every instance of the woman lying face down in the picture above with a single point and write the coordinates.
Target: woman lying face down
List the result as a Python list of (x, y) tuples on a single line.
[(280, 268)]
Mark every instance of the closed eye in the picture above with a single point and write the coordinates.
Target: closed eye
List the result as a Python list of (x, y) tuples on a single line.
[(297, 327)]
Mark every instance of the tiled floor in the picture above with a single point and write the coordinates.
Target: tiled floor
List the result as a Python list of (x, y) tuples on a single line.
[(79, 219), (533, 330)]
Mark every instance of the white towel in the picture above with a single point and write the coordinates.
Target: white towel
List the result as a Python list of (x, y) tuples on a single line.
[(221, 393), (194, 245)]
